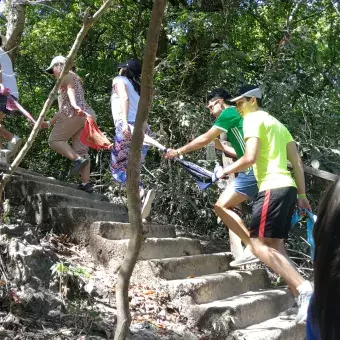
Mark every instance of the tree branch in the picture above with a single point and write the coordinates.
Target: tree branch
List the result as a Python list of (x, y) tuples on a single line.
[(88, 22), (133, 172)]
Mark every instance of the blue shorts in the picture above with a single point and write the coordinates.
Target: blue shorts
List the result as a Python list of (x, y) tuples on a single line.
[(246, 184)]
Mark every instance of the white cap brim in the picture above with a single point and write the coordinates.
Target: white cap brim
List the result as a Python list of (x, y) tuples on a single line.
[(56, 60), (252, 93)]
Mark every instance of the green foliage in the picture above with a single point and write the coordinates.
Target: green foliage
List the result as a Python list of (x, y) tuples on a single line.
[(291, 52), (60, 269)]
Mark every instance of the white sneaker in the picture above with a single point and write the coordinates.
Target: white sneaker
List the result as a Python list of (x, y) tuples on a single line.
[(14, 145), (150, 196), (246, 258), (305, 293)]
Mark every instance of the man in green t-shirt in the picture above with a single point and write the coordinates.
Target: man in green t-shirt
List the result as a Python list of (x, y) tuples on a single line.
[(268, 146), (244, 186)]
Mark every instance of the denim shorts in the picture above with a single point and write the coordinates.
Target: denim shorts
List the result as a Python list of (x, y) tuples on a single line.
[(245, 183)]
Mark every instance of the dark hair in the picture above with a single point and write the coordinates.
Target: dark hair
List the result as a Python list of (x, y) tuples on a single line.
[(219, 93), (246, 88), (134, 79), (325, 308)]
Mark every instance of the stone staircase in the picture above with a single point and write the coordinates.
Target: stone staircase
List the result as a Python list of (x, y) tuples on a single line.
[(233, 304)]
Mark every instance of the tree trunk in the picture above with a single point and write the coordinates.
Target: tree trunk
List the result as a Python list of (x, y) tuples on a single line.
[(15, 27), (87, 23), (133, 173)]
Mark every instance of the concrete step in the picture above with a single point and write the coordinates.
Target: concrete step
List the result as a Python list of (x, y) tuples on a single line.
[(119, 231), (181, 267), (240, 311), (17, 189), (38, 206), (111, 252), (213, 287), (24, 174), (279, 328), (77, 220)]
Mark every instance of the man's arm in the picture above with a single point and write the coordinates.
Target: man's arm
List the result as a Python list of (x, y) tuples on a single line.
[(247, 160), (299, 175), (196, 144), (230, 151)]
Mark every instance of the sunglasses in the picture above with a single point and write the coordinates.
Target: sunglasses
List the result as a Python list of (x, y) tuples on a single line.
[(211, 105)]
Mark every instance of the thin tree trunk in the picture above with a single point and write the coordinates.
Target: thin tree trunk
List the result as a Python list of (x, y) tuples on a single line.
[(15, 27), (133, 173), (87, 23)]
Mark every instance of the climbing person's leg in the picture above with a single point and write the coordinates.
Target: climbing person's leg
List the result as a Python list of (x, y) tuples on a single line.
[(272, 212), (64, 129), (223, 208), (243, 187), (151, 194), (147, 204), (83, 152)]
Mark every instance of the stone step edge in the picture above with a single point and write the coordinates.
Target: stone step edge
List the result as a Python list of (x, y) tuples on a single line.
[(202, 315), (227, 284), (113, 205), (272, 329), (95, 229), (94, 196), (161, 269)]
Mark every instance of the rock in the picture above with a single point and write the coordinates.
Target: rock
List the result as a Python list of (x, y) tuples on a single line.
[(29, 262), (29, 237), (39, 301)]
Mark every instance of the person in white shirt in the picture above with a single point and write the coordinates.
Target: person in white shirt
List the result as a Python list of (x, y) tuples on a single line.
[(124, 105), (8, 86)]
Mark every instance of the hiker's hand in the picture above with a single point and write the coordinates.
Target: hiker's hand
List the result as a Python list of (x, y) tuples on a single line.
[(221, 173), (79, 111), (171, 153), (303, 203), (5, 91), (126, 131), (44, 125)]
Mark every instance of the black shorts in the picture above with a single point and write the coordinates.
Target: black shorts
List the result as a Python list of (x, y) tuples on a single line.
[(272, 213), (3, 103)]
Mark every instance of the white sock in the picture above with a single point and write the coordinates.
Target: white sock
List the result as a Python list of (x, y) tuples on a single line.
[(305, 286), (84, 183)]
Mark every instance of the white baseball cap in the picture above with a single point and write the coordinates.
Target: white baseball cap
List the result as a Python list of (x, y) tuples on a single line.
[(56, 60), (248, 91)]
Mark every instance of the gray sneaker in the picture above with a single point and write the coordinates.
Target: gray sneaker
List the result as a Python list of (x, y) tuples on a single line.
[(5, 156), (78, 165), (150, 196), (246, 258)]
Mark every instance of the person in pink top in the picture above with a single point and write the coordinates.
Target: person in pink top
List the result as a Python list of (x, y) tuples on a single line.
[(69, 122)]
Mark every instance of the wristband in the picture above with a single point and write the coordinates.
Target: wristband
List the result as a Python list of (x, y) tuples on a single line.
[(302, 196)]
